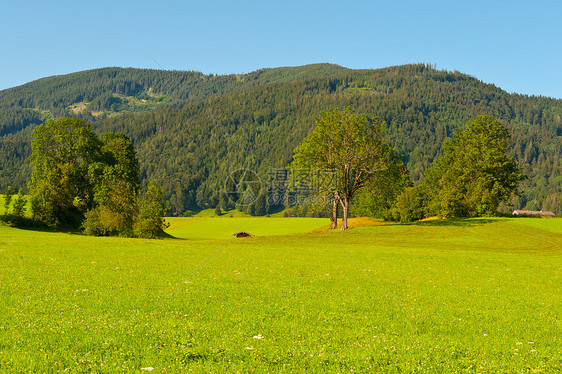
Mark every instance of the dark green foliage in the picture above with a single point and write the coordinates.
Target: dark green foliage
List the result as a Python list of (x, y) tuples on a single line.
[(191, 151), (218, 211), (251, 209), (13, 220), (19, 204), (116, 205), (261, 207), (315, 211), (120, 155), (116, 188), (118, 89), (476, 173), (412, 204), (98, 94), (7, 199), (61, 190), (379, 198), (80, 180), (150, 221), (211, 125)]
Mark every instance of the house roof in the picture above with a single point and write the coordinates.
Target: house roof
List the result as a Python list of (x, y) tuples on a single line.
[(533, 213)]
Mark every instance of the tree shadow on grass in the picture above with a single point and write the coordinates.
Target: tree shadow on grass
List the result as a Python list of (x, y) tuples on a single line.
[(165, 235), (38, 227), (460, 222)]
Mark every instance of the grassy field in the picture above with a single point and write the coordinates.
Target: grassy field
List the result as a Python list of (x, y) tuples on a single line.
[(470, 295), (223, 227)]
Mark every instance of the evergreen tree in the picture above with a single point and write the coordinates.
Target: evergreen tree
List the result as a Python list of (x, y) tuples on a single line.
[(191, 138), (19, 204), (7, 199), (261, 207), (251, 209)]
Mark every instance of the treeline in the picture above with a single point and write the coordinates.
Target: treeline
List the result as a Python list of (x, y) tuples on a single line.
[(102, 90), (192, 148)]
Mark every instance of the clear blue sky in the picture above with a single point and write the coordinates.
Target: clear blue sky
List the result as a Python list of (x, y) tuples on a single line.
[(514, 44)]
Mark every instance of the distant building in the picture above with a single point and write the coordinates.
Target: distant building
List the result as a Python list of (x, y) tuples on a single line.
[(242, 234), (532, 213)]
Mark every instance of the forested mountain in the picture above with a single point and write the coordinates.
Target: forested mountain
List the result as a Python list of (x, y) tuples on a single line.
[(101, 93), (97, 94), (208, 126)]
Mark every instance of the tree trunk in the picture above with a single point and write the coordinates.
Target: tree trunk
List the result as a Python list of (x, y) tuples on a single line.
[(335, 213), (345, 206)]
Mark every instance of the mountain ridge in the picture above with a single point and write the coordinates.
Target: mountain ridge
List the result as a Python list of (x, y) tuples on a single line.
[(273, 109)]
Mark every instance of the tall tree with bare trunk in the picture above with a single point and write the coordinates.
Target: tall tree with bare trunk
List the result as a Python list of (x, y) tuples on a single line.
[(353, 148)]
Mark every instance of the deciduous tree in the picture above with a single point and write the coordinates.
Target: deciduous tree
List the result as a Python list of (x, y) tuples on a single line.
[(76, 175), (476, 172), (150, 221), (353, 148), (60, 188), (116, 188)]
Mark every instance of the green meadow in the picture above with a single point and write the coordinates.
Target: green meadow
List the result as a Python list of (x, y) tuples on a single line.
[(223, 228), (465, 295)]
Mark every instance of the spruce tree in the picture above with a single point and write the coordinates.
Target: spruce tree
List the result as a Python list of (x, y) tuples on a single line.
[(19, 204), (7, 199)]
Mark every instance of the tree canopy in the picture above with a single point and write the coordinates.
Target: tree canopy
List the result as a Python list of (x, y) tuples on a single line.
[(352, 149), (79, 180), (61, 188), (476, 172)]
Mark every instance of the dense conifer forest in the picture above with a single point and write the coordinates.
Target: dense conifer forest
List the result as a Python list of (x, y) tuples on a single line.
[(191, 130)]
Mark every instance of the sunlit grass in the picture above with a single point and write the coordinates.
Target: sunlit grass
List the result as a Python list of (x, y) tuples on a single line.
[(477, 295), (219, 227)]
